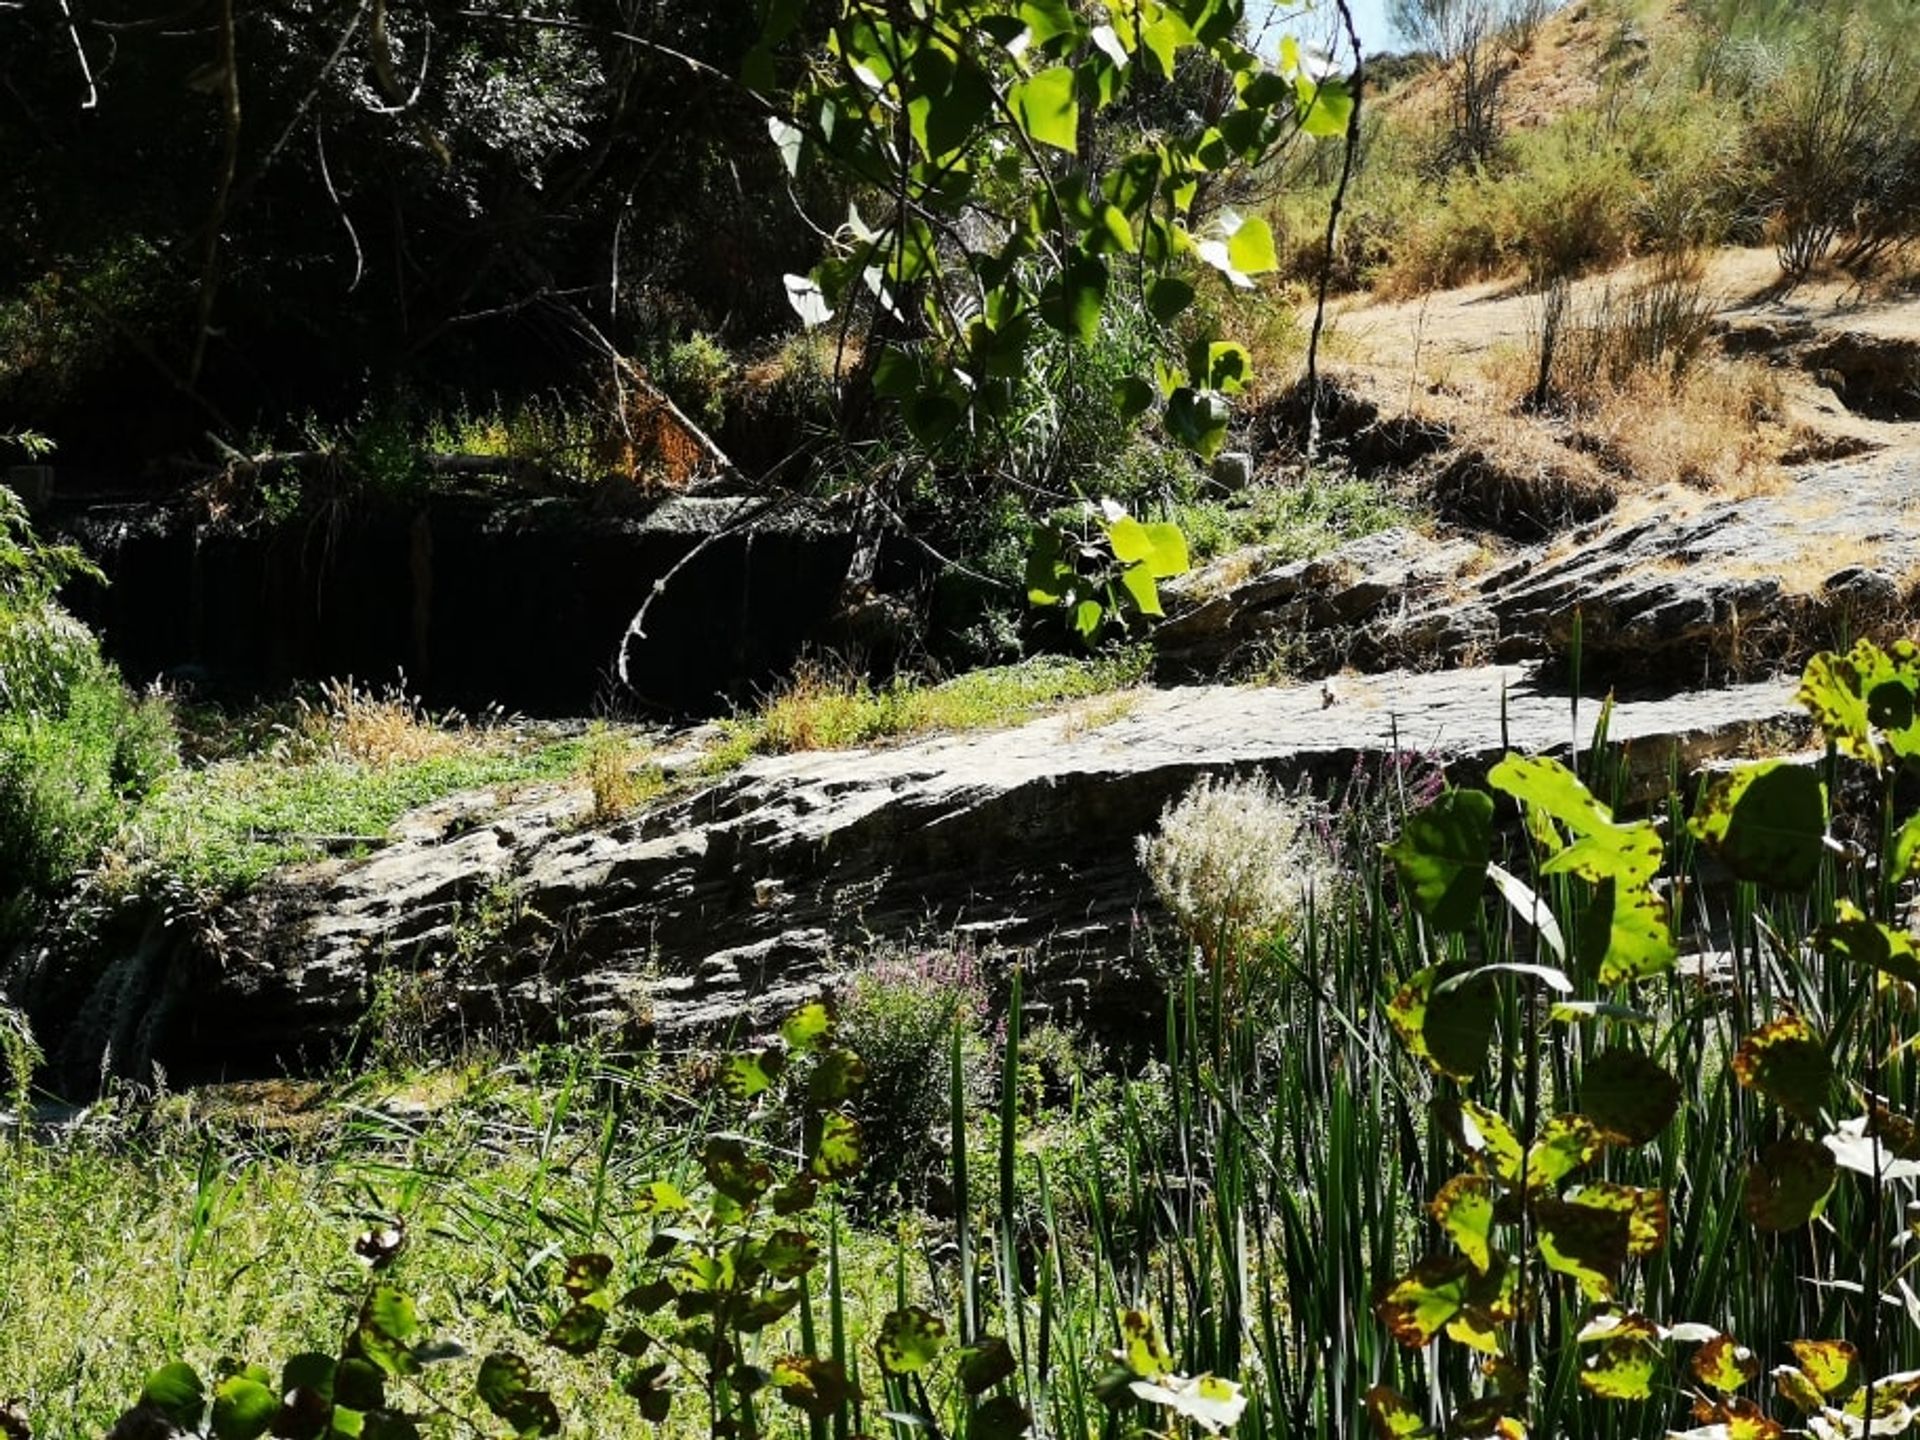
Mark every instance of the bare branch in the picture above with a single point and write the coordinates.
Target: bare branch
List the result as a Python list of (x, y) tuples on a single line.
[(80, 53)]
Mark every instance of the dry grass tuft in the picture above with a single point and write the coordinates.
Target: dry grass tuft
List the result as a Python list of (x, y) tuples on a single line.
[(1720, 428), (372, 728), (619, 774)]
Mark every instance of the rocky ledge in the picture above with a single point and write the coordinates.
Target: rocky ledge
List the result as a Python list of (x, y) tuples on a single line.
[(743, 894), (1686, 589)]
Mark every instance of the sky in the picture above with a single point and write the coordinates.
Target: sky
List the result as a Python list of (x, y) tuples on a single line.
[(1315, 22)]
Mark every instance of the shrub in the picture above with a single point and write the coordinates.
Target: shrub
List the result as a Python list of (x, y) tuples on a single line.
[(76, 748), (1835, 110), (696, 373), (899, 1014)]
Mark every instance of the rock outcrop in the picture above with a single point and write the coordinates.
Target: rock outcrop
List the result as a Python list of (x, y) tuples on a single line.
[(746, 892), (1685, 592)]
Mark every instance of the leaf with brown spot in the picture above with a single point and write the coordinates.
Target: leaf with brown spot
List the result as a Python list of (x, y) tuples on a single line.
[(1785, 1061), (1621, 1369), (1392, 1415), (1797, 1389), (1788, 1185), (1833, 1366), (1418, 1305), (1464, 1209), (1645, 1207), (1565, 1143), (1850, 937), (1584, 1242), (1724, 1363), (1628, 1096)]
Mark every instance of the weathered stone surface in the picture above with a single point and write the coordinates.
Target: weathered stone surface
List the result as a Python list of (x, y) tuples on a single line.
[(1350, 606), (740, 896), (1736, 585), (1682, 593)]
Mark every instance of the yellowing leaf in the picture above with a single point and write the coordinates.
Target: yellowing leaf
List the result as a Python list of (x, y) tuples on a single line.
[(1797, 1389), (1831, 688), (837, 1153), (1464, 1208), (745, 1076), (1626, 934), (807, 1027), (1566, 1142), (909, 1340), (1833, 1366), (1542, 783), (1417, 1306), (1621, 1369), (1489, 1137), (1142, 1350), (1854, 939), (1393, 1417), (1724, 1363)]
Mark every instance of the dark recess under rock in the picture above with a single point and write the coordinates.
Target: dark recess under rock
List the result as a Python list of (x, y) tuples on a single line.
[(478, 601)]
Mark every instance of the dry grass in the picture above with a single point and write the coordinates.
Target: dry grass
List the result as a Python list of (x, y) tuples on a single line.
[(1099, 713), (620, 774), (372, 728), (1718, 429)]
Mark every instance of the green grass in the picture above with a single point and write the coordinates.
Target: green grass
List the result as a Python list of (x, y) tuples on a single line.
[(821, 710), (1295, 520), (220, 829)]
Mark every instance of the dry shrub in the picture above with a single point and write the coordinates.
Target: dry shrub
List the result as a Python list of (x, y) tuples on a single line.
[(376, 728)]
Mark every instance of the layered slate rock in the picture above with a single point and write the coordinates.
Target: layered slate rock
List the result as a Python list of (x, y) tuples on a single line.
[(1736, 586), (1383, 600), (1684, 592), (737, 898)]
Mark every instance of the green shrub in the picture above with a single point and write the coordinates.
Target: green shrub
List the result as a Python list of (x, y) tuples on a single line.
[(899, 1013), (696, 373), (77, 750)]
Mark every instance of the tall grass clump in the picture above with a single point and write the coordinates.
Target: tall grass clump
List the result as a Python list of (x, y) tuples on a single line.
[(1633, 367)]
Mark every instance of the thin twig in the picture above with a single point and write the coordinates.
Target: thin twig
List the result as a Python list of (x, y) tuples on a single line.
[(326, 178), (1347, 163)]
